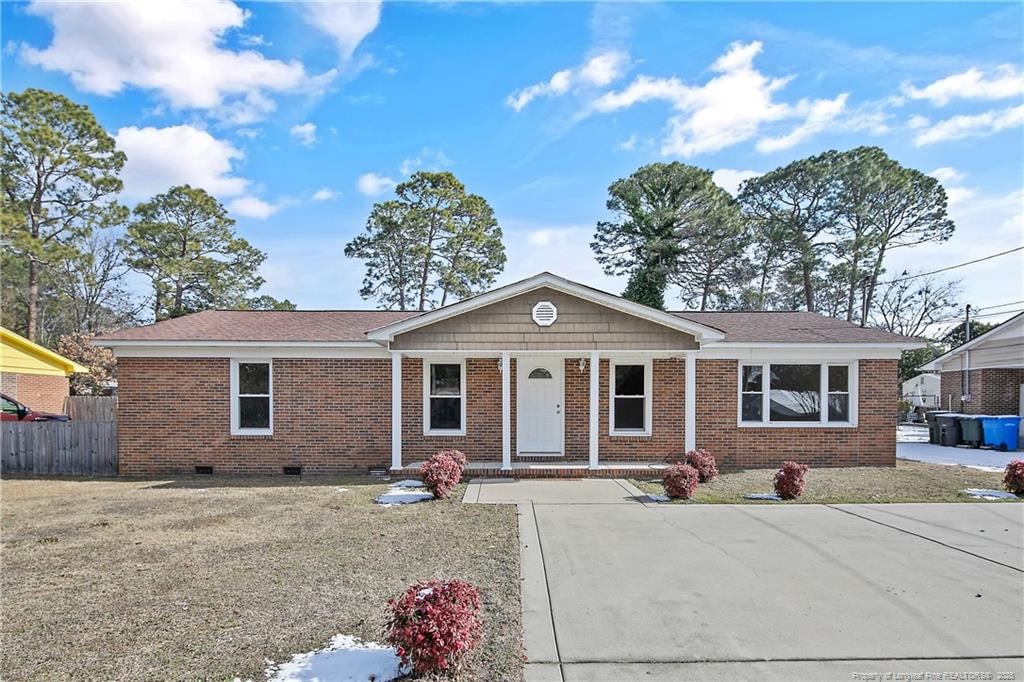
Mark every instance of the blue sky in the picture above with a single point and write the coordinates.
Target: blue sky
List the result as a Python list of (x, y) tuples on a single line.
[(300, 116)]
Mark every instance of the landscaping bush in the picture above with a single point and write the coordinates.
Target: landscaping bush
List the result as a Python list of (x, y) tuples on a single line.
[(789, 480), (704, 462), (1013, 477), (441, 473), (434, 624), (454, 454), (680, 480)]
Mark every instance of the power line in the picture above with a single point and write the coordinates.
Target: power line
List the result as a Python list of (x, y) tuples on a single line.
[(974, 317), (953, 267), (999, 305)]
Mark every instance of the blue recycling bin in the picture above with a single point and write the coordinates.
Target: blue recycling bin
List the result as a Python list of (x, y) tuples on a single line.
[(1001, 432)]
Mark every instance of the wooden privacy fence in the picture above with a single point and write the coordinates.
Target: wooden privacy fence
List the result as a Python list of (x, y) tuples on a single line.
[(75, 448), (91, 408)]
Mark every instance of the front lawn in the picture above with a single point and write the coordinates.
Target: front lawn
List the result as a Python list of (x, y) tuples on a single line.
[(908, 482), (209, 577)]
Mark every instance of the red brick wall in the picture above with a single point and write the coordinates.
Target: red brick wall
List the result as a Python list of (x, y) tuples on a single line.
[(334, 415), (994, 390), (871, 443), (39, 391), (329, 415)]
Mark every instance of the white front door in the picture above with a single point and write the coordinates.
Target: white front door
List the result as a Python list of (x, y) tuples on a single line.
[(540, 393)]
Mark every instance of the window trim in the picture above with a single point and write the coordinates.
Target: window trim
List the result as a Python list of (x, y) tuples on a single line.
[(427, 362), (852, 389), (236, 430), (648, 396)]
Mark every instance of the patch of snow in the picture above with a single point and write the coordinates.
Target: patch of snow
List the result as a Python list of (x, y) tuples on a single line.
[(398, 496), (341, 490), (911, 434), (762, 496), (989, 494), (425, 592), (345, 659), (408, 483), (653, 497)]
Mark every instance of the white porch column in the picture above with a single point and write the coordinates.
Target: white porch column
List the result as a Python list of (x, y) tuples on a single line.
[(595, 401), (690, 425), (396, 411), (506, 411)]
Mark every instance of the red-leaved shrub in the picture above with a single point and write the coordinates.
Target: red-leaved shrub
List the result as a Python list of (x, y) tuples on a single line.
[(680, 480), (789, 480), (441, 473), (454, 454), (434, 624), (1013, 477), (704, 462)]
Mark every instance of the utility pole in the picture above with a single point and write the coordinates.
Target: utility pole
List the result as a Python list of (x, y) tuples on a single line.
[(966, 397)]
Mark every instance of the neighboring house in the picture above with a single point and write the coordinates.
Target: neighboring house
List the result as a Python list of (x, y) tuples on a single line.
[(991, 366), (541, 372), (34, 375), (922, 391)]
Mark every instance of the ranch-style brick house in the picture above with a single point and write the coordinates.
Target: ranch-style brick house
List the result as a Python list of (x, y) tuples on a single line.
[(541, 377)]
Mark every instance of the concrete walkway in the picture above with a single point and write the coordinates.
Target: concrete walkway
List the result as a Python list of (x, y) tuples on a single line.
[(614, 589), (912, 443)]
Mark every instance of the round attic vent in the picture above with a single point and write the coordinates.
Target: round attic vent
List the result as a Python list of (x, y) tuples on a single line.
[(545, 313)]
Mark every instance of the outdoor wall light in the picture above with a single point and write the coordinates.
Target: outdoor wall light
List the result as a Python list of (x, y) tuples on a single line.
[(583, 365)]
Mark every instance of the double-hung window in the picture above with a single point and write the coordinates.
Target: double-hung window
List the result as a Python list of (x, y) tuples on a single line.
[(780, 393), (445, 398), (630, 406), (252, 400)]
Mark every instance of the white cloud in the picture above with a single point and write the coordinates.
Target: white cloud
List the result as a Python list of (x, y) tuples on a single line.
[(598, 71), (971, 125), (958, 195), (629, 144), (947, 174), (917, 122), (730, 179), (325, 194), (428, 159), (174, 49), (817, 116), (372, 184), (347, 23), (1002, 82), (159, 158), (305, 133), (254, 207), (728, 109), (250, 133)]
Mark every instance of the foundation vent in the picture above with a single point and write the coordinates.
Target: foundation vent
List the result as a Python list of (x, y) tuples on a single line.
[(204, 469)]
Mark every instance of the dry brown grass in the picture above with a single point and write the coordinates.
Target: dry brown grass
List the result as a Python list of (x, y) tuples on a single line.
[(907, 482), (208, 578)]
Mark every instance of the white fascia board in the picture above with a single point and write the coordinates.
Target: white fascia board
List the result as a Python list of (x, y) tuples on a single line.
[(702, 332), (995, 332), (809, 352), (204, 350)]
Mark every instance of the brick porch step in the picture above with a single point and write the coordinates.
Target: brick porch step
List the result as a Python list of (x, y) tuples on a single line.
[(550, 470)]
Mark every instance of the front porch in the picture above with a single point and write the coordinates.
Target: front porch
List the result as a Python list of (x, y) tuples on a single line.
[(558, 413)]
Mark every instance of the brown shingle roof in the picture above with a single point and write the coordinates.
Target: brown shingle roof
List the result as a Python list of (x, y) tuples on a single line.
[(263, 325), (352, 325), (789, 327)]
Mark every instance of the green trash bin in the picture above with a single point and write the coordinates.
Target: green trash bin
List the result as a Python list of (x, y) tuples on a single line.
[(970, 430)]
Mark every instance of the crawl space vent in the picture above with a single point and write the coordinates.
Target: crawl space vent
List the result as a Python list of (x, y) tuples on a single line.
[(292, 471), (545, 313), (204, 469)]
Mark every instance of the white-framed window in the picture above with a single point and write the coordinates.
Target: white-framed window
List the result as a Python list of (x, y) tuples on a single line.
[(630, 384), (797, 394), (444, 397), (252, 397)]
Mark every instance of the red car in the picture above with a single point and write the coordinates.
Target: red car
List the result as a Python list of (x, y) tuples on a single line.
[(13, 411)]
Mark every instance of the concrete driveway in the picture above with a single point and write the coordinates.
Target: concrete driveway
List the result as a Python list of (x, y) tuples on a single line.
[(616, 589)]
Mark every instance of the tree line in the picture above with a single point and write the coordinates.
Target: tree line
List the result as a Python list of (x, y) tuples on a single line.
[(812, 235)]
